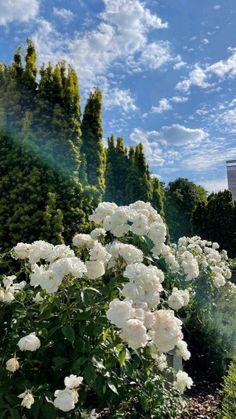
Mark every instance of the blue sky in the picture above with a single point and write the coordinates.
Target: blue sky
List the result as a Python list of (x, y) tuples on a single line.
[(167, 69)]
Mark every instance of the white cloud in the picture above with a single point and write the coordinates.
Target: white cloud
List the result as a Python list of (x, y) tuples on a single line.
[(224, 67), (217, 7), (20, 10), (121, 36), (163, 106), (179, 99), (199, 76), (155, 55), (177, 134), (205, 41), (151, 147), (214, 185), (119, 98), (65, 14)]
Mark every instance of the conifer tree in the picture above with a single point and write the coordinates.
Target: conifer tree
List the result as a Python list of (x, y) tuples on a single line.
[(139, 185), (157, 196), (92, 140), (40, 193), (116, 171)]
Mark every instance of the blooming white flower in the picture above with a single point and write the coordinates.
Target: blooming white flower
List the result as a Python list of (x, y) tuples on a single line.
[(95, 269), (130, 253), (178, 298), (140, 224), (6, 296), (12, 365), (166, 331), (99, 252), (8, 281), (189, 265), (103, 209), (157, 232), (28, 399), (48, 279), (21, 251), (83, 240), (160, 359), (68, 266), (134, 332), (65, 399), (73, 381), (29, 343), (60, 251), (119, 312), (183, 381), (39, 250), (182, 350)]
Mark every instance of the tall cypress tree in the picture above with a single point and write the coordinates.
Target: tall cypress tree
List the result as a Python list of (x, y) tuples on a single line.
[(139, 185), (157, 196), (92, 140), (116, 171)]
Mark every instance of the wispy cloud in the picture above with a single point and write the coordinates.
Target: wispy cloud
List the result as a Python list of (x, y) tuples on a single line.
[(200, 76), (163, 106), (20, 10), (65, 14)]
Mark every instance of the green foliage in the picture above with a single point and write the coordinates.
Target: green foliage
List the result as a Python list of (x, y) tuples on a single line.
[(92, 140), (216, 220), (209, 329), (182, 197), (229, 401), (40, 159)]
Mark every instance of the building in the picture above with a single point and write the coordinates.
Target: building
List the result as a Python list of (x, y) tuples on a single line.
[(231, 174)]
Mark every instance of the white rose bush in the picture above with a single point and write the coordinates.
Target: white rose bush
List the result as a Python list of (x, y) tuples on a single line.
[(102, 318)]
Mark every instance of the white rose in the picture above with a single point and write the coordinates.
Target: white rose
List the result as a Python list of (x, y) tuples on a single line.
[(134, 332), (83, 240), (95, 269), (119, 312), (69, 266), (21, 250), (182, 381), (29, 343), (73, 381), (166, 331), (65, 399), (182, 350), (60, 251), (12, 365), (8, 297), (39, 250), (28, 399)]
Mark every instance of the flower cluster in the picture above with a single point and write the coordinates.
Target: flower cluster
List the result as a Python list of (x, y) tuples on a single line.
[(197, 256), (66, 399), (144, 310)]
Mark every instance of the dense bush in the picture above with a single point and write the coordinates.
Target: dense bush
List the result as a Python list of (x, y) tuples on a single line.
[(100, 319), (229, 401)]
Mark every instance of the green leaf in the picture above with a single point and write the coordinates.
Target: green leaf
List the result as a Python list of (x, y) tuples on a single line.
[(78, 363), (113, 388), (122, 357), (69, 333)]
